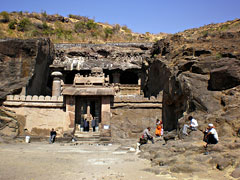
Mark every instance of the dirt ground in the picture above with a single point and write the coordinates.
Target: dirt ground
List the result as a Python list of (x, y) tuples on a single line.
[(40, 161)]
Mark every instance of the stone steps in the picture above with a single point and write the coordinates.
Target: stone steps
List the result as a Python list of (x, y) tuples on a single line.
[(87, 136)]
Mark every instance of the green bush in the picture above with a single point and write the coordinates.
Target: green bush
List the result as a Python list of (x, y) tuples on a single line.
[(24, 24), (35, 33), (82, 26), (224, 27), (108, 32), (12, 24), (5, 16), (44, 14), (45, 26), (81, 18), (116, 28), (91, 25), (126, 29)]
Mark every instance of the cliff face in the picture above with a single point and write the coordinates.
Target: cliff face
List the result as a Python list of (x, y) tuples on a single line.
[(25, 62), (107, 56), (198, 76)]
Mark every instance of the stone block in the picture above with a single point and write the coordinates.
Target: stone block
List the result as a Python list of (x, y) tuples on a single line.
[(152, 98), (54, 98), (29, 98), (22, 98), (9, 97), (16, 97), (41, 98), (60, 98), (35, 98), (48, 98)]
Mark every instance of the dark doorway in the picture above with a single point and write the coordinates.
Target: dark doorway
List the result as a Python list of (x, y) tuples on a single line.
[(128, 77), (88, 123)]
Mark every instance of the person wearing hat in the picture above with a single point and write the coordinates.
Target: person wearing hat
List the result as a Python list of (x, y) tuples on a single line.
[(211, 135)]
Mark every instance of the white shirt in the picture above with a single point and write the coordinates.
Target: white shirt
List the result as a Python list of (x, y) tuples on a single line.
[(214, 133), (194, 123), (146, 133)]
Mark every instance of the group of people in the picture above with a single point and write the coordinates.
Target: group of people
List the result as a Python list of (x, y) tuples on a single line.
[(148, 137), (210, 134)]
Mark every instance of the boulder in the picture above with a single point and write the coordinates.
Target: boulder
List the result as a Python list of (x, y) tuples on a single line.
[(236, 173)]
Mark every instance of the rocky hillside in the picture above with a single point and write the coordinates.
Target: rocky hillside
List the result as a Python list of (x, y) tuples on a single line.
[(71, 29), (199, 75)]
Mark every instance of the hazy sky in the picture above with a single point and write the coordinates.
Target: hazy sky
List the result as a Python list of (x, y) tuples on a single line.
[(141, 16)]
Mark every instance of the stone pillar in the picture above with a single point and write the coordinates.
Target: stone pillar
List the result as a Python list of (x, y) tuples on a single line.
[(56, 86), (116, 77), (23, 92), (105, 130)]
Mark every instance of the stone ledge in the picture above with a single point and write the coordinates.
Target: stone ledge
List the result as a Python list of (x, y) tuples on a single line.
[(136, 99), (21, 98), (33, 104), (137, 105)]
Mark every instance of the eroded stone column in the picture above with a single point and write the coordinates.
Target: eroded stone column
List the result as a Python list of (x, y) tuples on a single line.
[(106, 117), (116, 77), (56, 86)]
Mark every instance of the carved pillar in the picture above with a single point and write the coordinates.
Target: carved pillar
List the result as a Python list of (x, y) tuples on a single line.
[(116, 77), (56, 86)]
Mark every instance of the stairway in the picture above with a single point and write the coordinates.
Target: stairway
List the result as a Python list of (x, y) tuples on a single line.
[(93, 137)]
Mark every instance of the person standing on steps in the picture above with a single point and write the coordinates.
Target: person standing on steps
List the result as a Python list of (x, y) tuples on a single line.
[(52, 137), (192, 126)]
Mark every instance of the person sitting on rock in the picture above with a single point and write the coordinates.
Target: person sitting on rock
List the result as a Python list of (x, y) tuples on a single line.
[(147, 136), (53, 135), (158, 131), (192, 126), (210, 135)]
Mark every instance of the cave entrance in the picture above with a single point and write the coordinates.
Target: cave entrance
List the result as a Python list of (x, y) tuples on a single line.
[(128, 77), (88, 113)]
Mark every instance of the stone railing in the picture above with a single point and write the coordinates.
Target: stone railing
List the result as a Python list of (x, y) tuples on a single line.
[(34, 101), (137, 101)]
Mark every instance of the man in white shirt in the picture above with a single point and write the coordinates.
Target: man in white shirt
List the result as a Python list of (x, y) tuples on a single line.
[(147, 136), (193, 125), (211, 136)]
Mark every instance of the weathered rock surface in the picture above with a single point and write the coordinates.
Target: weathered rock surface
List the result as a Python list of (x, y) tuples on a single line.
[(199, 77), (107, 56), (190, 158), (25, 62), (9, 125)]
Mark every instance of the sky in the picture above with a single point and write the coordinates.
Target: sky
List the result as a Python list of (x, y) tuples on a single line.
[(154, 16)]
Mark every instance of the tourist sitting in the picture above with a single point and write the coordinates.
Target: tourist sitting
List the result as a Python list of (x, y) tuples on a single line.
[(192, 126), (210, 135), (159, 130), (147, 136), (52, 137)]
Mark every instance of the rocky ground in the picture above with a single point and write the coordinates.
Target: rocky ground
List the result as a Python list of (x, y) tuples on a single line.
[(189, 158), (176, 159)]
